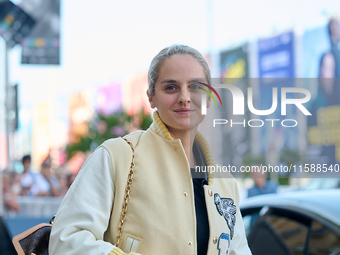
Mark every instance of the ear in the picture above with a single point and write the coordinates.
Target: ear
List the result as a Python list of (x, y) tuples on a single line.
[(151, 99)]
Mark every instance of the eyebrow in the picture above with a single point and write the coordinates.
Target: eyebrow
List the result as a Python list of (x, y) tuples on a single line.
[(168, 81), (199, 80)]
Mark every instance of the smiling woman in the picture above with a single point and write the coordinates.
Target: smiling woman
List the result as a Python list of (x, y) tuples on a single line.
[(165, 210), (177, 100)]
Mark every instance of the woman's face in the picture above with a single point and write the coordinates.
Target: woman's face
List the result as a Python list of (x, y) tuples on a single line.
[(177, 96)]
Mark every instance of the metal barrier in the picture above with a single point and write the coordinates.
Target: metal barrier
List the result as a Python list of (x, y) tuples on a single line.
[(36, 207)]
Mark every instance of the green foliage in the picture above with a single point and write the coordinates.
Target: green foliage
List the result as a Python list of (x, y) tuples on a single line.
[(283, 181), (83, 145), (102, 128), (146, 120)]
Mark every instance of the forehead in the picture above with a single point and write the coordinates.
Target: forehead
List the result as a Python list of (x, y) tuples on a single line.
[(181, 67)]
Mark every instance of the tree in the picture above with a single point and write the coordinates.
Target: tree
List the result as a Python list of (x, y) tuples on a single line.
[(104, 127)]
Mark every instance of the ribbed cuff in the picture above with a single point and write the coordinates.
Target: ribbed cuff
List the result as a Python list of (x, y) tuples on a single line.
[(118, 251)]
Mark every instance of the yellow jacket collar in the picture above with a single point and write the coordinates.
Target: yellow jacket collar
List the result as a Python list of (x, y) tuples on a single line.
[(160, 129)]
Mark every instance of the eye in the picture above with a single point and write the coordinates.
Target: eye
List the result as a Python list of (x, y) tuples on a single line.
[(195, 86), (170, 88)]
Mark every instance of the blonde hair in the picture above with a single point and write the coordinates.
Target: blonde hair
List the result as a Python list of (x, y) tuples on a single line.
[(176, 49)]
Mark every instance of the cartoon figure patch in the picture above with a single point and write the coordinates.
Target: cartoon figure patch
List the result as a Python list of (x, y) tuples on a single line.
[(223, 244), (226, 208)]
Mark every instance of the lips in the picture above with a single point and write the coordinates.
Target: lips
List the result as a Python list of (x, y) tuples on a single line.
[(183, 111)]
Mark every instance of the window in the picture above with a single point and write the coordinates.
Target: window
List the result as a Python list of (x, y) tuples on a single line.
[(323, 240), (279, 232)]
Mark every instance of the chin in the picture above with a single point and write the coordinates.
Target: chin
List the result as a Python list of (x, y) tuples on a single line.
[(184, 125), (180, 125), (196, 121)]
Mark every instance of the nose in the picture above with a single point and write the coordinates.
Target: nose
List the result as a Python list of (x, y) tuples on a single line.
[(184, 97)]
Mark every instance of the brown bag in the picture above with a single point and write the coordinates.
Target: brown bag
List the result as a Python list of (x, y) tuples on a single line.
[(34, 241)]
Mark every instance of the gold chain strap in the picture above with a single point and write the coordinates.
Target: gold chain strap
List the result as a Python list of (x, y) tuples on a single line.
[(127, 195)]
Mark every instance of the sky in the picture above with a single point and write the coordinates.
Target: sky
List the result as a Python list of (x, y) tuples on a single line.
[(104, 41)]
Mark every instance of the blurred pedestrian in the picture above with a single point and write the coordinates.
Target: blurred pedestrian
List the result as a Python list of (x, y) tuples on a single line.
[(70, 179), (261, 184), (65, 181), (16, 183), (9, 197), (45, 184), (168, 212), (27, 177), (63, 184), (48, 159)]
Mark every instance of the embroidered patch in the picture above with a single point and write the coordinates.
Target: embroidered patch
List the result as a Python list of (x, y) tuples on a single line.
[(226, 208), (223, 244)]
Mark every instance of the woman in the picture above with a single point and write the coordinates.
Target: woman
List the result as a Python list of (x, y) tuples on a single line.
[(168, 212)]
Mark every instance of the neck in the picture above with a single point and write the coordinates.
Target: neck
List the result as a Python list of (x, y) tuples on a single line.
[(160, 129), (187, 138)]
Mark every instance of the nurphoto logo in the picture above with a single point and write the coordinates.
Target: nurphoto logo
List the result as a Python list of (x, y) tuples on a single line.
[(238, 104)]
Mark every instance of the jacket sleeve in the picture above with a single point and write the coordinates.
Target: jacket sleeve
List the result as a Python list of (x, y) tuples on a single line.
[(239, 244), (84, 213)]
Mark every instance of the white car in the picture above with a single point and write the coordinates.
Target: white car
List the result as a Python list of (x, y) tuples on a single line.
[(297, 222)]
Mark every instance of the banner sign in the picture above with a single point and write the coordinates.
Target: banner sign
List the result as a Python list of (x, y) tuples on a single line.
[(15, 24), (42, 45), (234, 70), (321, 61), (275, 65)]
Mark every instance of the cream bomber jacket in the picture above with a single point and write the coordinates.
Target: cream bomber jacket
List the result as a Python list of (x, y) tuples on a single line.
[(161, 213)]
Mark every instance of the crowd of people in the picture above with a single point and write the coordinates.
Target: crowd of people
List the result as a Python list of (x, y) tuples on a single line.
[(46, 183), (50, 183)]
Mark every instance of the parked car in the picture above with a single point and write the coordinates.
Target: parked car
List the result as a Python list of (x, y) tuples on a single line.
[(294, 223), (322, 183)]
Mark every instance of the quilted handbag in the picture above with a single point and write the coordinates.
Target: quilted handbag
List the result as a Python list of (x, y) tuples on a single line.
[(34, 241)]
